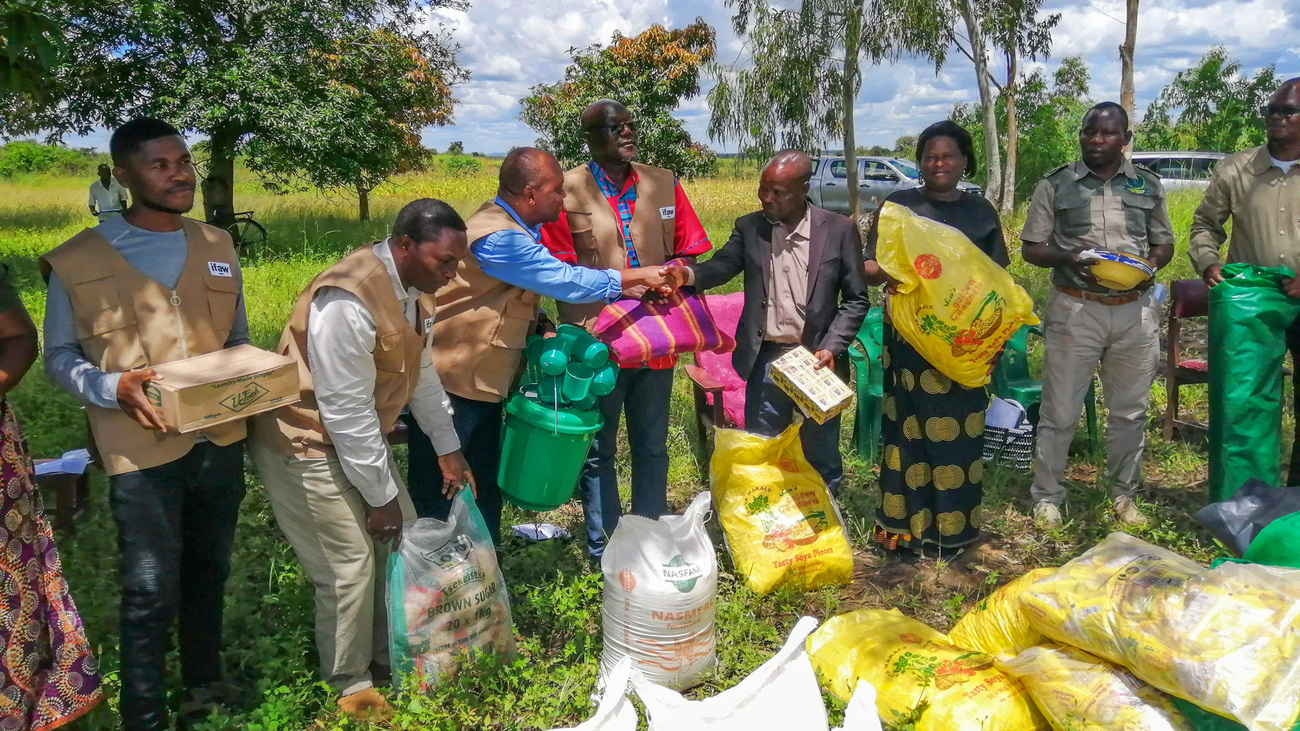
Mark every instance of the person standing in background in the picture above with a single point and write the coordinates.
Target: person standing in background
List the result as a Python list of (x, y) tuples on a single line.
[(932, 474), (620, 214), (107, 196), (361, 335), (803, 286), (1259, 189), (487, 312), (150, 287), (1101, 202), (48, 672)]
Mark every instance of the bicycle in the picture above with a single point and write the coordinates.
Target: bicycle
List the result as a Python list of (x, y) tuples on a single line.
[(248, 234)]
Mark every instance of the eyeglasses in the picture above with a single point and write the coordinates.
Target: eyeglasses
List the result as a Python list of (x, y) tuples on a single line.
[(1281, 110), (613, 129)]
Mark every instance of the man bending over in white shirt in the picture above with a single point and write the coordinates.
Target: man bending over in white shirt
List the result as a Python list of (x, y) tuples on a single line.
[(360, 334)]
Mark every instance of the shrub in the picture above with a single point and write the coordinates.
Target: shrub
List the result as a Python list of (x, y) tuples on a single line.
[(461, 165), (32, 157)]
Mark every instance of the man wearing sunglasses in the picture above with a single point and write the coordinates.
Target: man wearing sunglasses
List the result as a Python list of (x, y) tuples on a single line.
[(620, 214), (1259, 189)]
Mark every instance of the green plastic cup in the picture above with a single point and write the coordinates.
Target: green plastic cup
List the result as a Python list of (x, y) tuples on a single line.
[(553, 361), (577, 382), (603, 382)]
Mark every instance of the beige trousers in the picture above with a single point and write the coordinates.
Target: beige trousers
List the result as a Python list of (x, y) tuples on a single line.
[(1125, 340), (324, 518)]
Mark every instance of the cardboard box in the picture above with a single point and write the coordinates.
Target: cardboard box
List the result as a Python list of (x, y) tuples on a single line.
[(223, 386), (819, 393)]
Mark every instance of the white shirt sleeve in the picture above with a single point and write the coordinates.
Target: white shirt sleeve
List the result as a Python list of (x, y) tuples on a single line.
[(432, 409), (340, 352)]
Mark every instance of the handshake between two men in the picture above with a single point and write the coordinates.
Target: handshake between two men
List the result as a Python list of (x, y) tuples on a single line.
[(652, 283)]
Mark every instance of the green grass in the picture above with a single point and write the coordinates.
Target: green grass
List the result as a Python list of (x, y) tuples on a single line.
[(269, 608)]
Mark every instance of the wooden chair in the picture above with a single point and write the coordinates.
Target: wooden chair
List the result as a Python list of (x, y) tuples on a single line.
[(718, 390), (1188, 298)]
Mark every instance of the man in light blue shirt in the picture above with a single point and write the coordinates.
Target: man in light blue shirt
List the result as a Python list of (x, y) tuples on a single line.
[(530, 193), (518, 258)]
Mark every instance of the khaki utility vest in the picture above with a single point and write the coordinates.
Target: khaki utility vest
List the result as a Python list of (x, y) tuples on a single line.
[(483, 323), (296, 429), (125, 321), (598, 233)]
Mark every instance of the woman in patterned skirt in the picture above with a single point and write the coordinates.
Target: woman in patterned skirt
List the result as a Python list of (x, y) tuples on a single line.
[(932, 471), (48, 674)]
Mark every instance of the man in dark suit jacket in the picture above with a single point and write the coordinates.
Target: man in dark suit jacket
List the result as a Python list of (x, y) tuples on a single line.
[(803, 286)]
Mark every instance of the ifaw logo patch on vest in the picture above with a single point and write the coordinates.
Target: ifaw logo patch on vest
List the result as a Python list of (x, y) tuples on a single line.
[(219, 269), (249, 395), (668, 212)]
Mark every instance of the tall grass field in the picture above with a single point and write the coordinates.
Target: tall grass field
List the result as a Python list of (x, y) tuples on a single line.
[(270, 657)]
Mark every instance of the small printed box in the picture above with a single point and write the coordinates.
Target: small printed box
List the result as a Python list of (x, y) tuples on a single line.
[(222, 386), (819, 393)]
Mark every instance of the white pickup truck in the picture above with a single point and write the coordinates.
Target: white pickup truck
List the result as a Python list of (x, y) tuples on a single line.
[(877, 178)]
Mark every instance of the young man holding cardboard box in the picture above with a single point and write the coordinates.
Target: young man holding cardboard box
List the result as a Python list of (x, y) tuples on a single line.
[(360, 333), (136, 291), (804, 285)]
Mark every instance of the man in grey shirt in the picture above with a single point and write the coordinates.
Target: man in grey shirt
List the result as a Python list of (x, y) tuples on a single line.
[(138, 290), (160, 255)]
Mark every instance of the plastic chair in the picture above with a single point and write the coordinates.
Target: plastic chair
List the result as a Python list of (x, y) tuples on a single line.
[(718, 390), (1011, 381), (864, 353)]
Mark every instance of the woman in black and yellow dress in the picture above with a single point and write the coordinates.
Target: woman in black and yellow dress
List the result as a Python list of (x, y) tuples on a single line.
[(932, 471)]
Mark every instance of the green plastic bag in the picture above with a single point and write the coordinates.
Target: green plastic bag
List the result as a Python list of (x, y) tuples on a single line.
[(1249, 315)]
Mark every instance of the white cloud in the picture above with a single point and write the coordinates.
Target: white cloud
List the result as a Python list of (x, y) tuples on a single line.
[(511, 45)]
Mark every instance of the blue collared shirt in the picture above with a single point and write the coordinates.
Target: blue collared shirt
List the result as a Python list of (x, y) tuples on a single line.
[(518, 258)]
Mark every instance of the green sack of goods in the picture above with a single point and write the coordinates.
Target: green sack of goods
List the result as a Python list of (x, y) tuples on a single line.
[(1249, 315)]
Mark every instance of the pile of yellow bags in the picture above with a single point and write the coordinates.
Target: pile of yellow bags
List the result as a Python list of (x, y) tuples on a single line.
[(1079, 692), (1226, 639), (911, 665), (955, 305), (783, 527)]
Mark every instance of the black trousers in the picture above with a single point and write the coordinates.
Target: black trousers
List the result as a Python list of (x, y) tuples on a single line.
[(769, 411), (478, 426), (175, 530)]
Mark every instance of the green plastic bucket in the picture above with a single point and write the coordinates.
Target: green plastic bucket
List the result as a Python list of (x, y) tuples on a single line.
[(542, 451)]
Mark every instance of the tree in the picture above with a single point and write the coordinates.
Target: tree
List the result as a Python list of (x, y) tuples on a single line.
[(1013, 28), (31, 41), (373, 96), (1126, 49), (971, 14), (1218, 107), (232, 70), (1017, 32), (807, 70), (1049, 113), (650, 74), (456, 148)]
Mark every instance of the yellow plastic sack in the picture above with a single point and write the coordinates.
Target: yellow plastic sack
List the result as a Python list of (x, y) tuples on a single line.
[(955, 305), (783, 527), (1226, 639), (1079, 692), (998, 626), (908, 663)]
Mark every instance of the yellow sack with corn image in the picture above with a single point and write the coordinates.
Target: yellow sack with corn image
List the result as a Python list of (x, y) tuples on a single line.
[(783, 528), (997, 625), (954, 304), (1226, 639), (919, 677), (1079, 692)]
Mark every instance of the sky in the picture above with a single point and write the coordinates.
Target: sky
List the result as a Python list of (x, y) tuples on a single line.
[(510, 45)]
